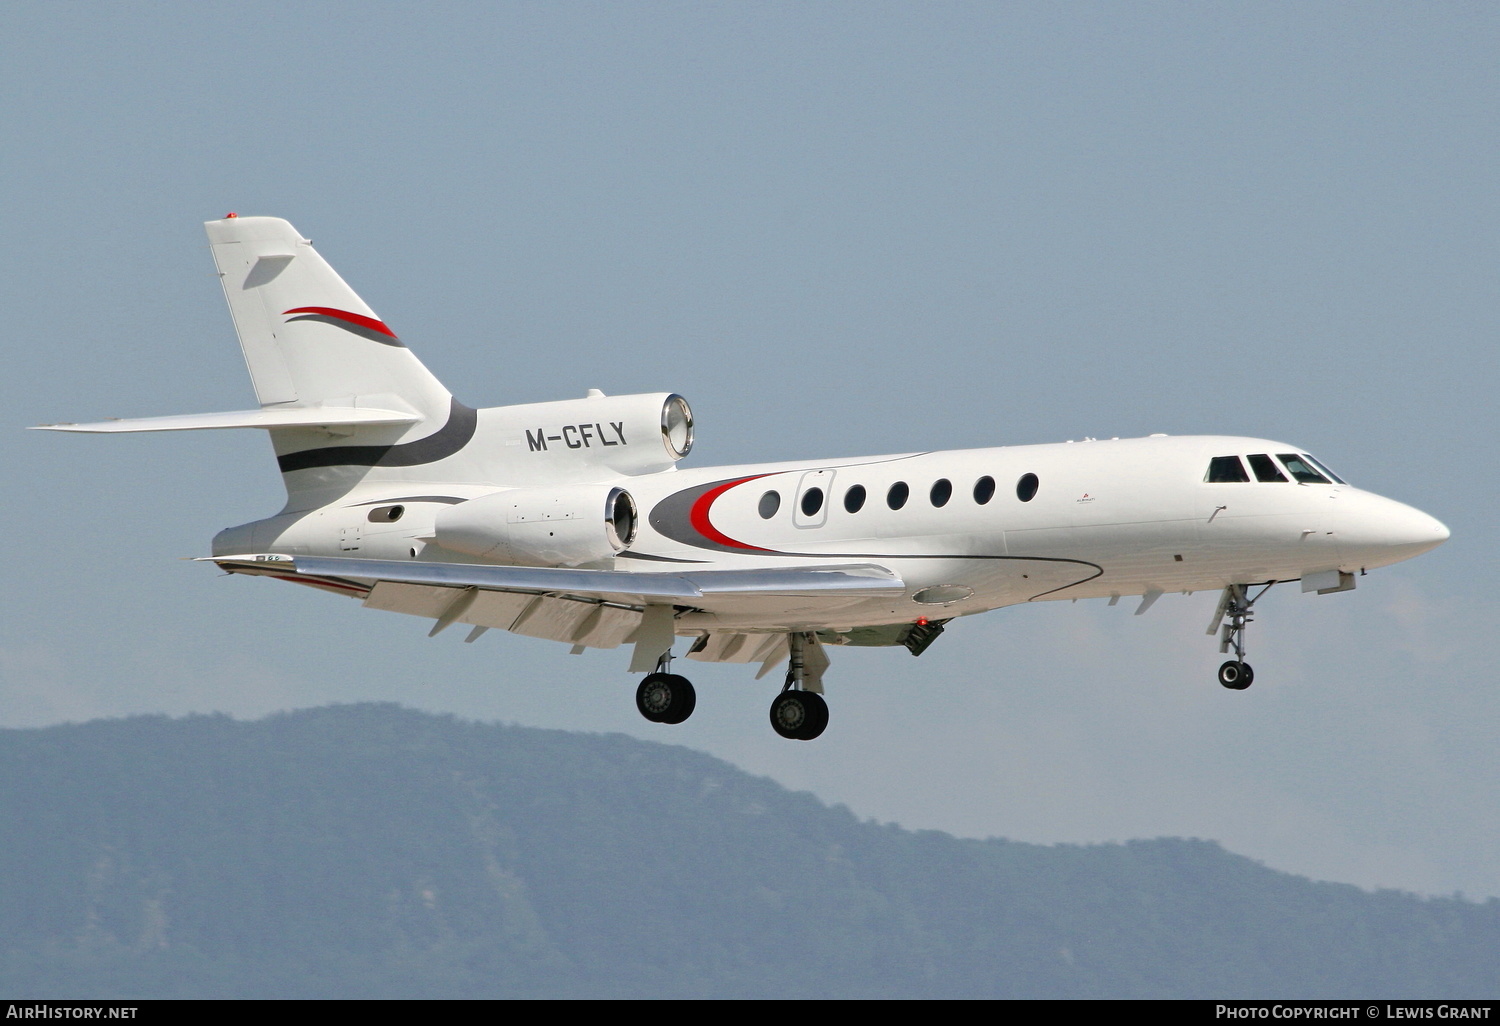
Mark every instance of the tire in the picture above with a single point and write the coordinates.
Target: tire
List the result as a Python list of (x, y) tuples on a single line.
[(666, 698), (799, 715), (654, 697), (684, 699), (817, 721), (1236, 676)]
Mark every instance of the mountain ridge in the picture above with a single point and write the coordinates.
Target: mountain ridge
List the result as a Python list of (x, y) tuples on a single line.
[(376, 851)]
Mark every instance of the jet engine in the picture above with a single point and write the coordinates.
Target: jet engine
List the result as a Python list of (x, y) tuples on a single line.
[(616, 434), (570, 525)]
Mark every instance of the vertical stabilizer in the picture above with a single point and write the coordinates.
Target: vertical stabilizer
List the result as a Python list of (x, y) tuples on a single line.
[(310, 341), (308, 338)]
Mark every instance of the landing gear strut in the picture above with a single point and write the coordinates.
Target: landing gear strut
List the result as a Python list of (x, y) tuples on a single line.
[(665, 697), (1229, 621), (799, 712)]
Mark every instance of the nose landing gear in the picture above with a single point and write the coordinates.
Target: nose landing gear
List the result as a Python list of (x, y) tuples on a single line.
[(1229, 622), (1236, 675)]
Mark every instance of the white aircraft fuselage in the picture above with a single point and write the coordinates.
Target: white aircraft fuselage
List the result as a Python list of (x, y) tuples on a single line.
[(1108, 518), (572, 521)]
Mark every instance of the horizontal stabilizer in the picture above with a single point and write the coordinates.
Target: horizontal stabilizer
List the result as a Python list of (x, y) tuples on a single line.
[(631, 587), (290, 416)]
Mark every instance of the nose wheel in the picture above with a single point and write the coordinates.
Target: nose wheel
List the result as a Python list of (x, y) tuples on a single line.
[(1236, 675), (1229, 622)]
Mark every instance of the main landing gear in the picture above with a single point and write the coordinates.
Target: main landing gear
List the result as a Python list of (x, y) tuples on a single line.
[(665, 697), (1229, 622), (798, 712), (799, 715)]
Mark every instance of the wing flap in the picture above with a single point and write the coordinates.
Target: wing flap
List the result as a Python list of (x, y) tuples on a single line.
[(730, 647), (575, 621)]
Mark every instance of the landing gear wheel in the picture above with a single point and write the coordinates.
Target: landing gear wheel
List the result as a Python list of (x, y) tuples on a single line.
[(818, 721), (799, 715), (665, 698), (685, 699), (1235, 675), (1230, 621)]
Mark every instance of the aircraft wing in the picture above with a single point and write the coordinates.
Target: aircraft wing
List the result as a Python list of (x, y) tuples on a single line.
[(693, 588), (586, 608)]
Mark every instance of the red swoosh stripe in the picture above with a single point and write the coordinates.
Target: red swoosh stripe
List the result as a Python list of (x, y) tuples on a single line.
[(698, 516), (343, 315)]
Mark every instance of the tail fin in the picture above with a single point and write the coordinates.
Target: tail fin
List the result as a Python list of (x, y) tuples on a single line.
[(310, 341), (343, 399), (308, 338)]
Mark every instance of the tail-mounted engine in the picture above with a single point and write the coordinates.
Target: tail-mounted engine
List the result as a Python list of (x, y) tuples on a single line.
[(623, 434), (570, 525)]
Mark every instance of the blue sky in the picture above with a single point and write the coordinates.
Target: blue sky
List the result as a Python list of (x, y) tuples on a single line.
[(838, 229)]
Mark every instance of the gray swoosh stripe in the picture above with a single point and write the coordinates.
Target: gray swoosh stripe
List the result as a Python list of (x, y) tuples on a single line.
[(672, 518), (442, 443), (449, 499), (659, 559)]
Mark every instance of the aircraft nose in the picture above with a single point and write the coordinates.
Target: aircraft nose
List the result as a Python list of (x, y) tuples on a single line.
[(1376, 531)]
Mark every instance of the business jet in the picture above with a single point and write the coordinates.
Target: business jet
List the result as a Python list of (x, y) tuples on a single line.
[(571, 520)]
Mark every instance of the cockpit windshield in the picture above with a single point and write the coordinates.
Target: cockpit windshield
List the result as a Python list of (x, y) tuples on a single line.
[(1301, 468), (1265, 468), (1324, 468), (1225, 470), (1230, 470)]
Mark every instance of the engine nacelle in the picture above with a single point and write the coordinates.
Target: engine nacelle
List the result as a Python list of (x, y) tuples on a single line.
[(619, 434), (570, 525)]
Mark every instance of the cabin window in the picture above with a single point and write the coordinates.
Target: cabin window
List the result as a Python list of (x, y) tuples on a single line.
[(1265, 468), (812, 501), (1300, 469), (769, 504), (897, 496), (1026, 487), (854, 499), (984, 490), (942, 491), (1226, 470)]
